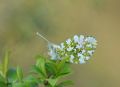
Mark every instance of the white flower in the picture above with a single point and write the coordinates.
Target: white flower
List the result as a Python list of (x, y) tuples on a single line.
[(54, 46), (66, 54), (81, 58), (81, 39), (89, 45), (53, 55), (74, 50), (94, 46), (91, 52), (79, 46), (83, 51), (80, 55), (81, 61), (76, 62), (52, 51), (87, 57), (68, 41), (71, 58), (62, 46), (91, 40), (76, 38), (70, 49)]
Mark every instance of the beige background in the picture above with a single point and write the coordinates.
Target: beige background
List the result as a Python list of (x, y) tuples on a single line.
[(59, 20)]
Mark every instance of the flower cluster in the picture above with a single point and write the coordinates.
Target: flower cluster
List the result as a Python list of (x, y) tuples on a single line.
[(53, 51), (77, 50)]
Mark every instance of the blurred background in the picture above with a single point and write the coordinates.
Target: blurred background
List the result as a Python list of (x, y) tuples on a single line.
[(58, 20)]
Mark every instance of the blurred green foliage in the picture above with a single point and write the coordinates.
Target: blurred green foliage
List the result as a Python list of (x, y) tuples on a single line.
[(45, 72)]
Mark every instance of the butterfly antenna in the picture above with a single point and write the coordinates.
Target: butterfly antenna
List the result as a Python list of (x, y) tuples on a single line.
[(40, 35)]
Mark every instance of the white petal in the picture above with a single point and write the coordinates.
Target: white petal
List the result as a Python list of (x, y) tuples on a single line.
[(83, 51), (81, 39), (76, 38), (71, 58), (68, 41), (79, 46), (62, 46), (91, 40), (82, 61), (69, 49), (89, 45), (87, 57), (91, 52)]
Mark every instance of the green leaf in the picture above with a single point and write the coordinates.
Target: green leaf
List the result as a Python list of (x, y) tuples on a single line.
[(19, 85), (2, 79), (51, 68), (31, 81), (5, 63), (1, 68), (2, 84), (52, 82), (41, 64), (1, 73), (19, 74), (63, 68), (66, 70), (60, 65), (37, 70), (11, 75)]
